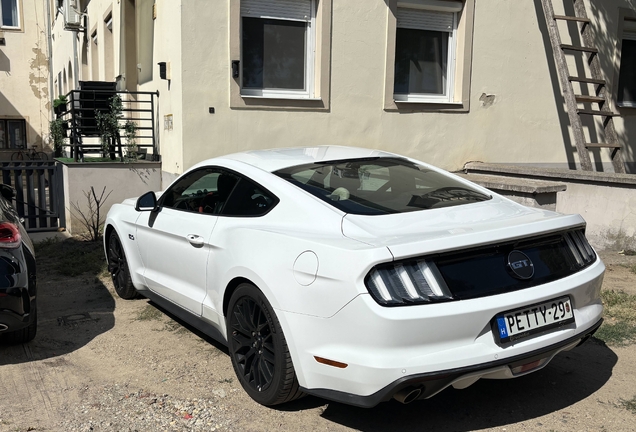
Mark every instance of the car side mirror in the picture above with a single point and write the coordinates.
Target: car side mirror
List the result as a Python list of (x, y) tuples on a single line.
[(147, 202), (7, 192)]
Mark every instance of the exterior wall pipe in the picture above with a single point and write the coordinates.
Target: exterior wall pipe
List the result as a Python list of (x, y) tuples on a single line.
[(49, 44)]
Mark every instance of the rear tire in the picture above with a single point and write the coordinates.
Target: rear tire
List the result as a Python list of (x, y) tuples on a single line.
[(24, 335), (118, 268), (258, 348), (40, 156)]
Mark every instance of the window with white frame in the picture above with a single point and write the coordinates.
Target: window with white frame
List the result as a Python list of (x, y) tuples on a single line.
[(426, 40), (94, 57), (627, 75), (10, 14), (277, 48)]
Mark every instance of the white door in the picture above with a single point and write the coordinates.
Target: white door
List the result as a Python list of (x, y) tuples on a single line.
[(174, 241)]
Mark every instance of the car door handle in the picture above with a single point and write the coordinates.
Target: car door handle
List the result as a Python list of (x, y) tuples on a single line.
[(195, 240)]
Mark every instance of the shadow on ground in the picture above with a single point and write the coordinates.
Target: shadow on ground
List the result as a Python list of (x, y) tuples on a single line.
[(74, 306), (569, 378)]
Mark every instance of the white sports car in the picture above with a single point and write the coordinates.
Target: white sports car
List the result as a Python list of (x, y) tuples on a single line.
[(357, 275)]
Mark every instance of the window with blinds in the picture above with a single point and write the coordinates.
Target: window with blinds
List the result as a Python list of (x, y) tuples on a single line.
[(277, 48), (425, 50)]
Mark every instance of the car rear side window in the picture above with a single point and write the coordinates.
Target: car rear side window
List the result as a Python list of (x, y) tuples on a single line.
[(248, 199), (376, 186)]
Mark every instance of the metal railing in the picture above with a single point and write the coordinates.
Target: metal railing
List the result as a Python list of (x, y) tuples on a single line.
[(84, 135), (39, 196)]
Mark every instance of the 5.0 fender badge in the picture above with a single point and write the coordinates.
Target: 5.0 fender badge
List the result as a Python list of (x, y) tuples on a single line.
[(520, 265)]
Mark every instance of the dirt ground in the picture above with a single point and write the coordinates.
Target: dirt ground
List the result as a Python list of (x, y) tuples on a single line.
[(102, 363)]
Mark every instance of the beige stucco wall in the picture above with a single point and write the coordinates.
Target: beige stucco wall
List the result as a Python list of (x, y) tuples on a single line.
[(608, 210), (24, 90), (512, 61), (62, 42), (514, 111), (62, 54), (169, 42)]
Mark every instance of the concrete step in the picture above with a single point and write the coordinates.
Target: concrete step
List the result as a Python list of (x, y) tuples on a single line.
[(551, 174), (529, 192)]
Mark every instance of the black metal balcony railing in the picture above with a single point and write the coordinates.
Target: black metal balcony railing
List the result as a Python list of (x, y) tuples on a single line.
[(84, 136)]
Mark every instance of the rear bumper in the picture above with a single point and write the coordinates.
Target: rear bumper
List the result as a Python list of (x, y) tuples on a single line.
[(452, 343), (429, 384)]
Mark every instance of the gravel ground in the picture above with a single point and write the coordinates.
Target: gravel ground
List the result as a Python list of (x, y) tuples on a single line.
[(117, 408), (100, 363)]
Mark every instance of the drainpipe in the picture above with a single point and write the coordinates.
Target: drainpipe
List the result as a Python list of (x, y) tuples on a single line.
[(121, 78), (75, 61), (50, 52)]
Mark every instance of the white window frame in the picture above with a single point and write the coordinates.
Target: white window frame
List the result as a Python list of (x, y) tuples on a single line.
[(108, 22), (17, 11), (448, 96), (310, 61), (629, 33)]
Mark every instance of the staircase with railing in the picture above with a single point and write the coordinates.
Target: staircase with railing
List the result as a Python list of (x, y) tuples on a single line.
[(135, 135)]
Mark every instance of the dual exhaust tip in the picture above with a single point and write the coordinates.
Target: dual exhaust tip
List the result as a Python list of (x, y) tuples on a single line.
[(408, 395)]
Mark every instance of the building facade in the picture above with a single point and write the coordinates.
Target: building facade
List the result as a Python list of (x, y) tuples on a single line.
[(444, 81), (24, 77)]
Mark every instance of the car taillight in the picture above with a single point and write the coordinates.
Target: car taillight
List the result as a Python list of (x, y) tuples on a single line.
[(407, 283), (580, 248), (9, 235)]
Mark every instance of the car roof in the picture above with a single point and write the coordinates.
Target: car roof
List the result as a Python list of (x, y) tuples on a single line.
[(276, 159)]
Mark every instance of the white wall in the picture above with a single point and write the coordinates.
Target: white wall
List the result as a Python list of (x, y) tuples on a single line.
[(120, 180)]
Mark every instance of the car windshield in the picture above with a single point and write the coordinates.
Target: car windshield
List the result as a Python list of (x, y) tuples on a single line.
[(381, 185)]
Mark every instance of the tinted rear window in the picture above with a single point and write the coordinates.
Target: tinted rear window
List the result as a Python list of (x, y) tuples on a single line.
[(377, 186)]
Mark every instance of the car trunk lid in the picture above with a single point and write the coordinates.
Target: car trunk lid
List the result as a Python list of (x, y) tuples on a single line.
[(446, 229)]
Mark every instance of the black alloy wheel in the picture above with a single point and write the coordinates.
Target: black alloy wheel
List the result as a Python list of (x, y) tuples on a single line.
[(118, 268), (258, 348)]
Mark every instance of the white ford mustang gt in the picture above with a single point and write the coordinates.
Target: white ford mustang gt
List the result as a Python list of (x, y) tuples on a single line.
[(357, 275)]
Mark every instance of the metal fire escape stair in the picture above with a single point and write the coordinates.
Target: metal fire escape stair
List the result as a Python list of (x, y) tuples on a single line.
[(572, 100)]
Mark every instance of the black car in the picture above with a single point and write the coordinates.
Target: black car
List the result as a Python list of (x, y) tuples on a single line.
[(18, 312)]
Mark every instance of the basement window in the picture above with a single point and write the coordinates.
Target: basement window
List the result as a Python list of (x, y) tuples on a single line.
[(627, 76), (12, 133)]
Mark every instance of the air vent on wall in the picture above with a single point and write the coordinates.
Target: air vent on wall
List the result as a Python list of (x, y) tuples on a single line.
[(72, 17)]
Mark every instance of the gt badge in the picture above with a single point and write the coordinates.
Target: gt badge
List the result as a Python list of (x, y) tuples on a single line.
[(520, 265)]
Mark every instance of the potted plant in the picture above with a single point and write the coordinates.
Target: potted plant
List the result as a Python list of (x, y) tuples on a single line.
[(132, 151), (57, 132), (108, 126), (59, 105)]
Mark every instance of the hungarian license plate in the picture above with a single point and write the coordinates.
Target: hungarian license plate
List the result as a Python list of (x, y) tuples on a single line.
[(519, 323)]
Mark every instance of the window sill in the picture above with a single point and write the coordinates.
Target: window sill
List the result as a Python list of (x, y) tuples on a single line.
[(429, 102), (426, 106), (287, 97)]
